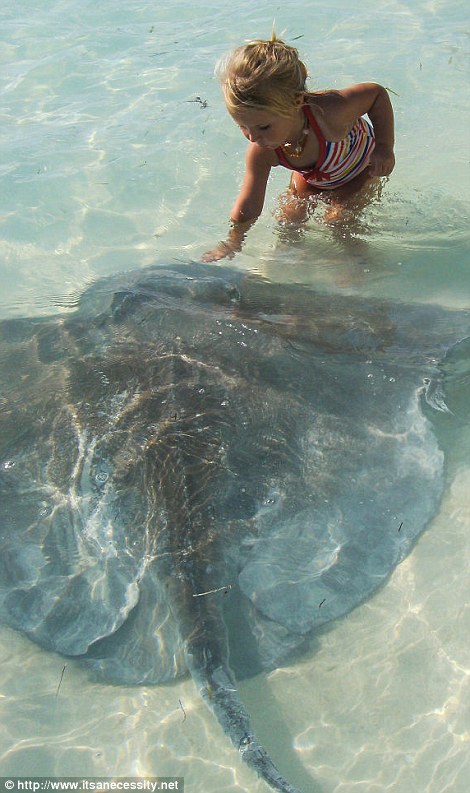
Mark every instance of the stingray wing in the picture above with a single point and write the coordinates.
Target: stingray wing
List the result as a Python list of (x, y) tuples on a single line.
[(374, 472), (69, 567)]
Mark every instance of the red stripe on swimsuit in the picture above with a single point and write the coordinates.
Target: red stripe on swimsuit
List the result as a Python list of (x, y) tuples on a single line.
[(338, 161)]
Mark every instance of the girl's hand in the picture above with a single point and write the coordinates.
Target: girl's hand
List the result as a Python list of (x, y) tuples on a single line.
[(232, 245), (223, 251), (382, 160)]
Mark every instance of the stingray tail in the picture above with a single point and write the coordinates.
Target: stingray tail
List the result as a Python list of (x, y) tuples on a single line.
[(218, 689)]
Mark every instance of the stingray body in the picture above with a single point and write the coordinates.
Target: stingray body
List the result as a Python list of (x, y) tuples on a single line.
[(199, 467)]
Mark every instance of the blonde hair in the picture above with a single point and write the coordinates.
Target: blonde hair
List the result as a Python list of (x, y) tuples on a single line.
[(266, 75)]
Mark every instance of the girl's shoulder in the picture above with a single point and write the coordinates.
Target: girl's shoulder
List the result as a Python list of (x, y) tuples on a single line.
[(327, 108), (336, 111), (260, 158), (324, 101)]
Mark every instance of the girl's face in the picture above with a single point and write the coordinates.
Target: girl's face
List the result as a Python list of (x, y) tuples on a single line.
[(267, 129)]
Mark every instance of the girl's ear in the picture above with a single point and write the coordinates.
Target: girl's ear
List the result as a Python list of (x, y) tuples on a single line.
[(299, 101)]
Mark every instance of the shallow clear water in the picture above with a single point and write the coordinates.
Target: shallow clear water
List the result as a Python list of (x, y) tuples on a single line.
[(116, 153)]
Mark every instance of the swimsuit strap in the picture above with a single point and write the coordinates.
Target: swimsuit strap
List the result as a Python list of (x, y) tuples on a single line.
[(313, 124), (322, 141)]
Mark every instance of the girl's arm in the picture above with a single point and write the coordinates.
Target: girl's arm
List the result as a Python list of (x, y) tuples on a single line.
[(372, 99), (249, 203)]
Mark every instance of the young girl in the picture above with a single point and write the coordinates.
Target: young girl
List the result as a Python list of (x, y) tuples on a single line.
[(321, 137)]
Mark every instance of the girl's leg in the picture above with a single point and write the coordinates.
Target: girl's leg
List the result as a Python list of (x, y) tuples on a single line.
[(345, 204), (298, 203), (343, 207)]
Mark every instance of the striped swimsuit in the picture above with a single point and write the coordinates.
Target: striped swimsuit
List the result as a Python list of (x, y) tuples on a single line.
[(338, 161)]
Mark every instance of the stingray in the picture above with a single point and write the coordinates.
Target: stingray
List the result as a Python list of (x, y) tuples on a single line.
[(198, 468)]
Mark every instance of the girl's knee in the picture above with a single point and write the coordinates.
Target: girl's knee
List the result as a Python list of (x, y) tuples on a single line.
[(300, 187)]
